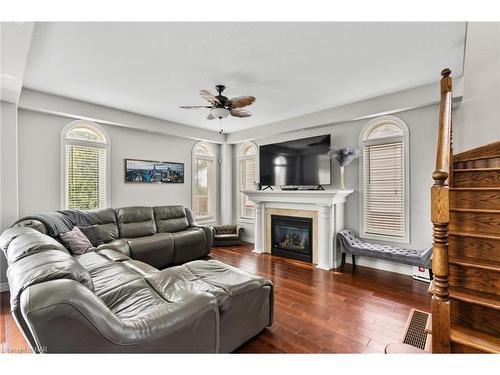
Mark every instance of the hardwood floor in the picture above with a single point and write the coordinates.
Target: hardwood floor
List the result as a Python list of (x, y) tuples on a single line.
[(316, 311)]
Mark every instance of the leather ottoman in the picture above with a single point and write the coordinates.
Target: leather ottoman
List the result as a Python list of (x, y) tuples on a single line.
[(245, 301)]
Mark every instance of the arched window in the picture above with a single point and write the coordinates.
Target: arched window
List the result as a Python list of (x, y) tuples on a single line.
[(247, 171), (385, 180), (85, 166), (203, 181)]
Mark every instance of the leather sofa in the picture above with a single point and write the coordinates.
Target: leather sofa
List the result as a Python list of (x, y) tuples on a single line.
[(225, 235), (160, 236), (140, 291)]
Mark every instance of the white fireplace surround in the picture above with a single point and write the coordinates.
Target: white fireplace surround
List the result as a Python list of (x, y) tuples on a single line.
[(329, 204)]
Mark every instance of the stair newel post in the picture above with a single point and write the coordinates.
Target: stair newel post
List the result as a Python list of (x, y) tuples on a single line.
[(440, 212)]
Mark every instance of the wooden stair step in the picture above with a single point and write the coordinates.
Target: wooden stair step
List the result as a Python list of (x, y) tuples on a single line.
[(476, 298), (475, 235), (473, 339), (491, 169), (492, 188), (482, 221), (475, 198), (474, 274), (476, 177), (476, 311), (489, 150), (477, 210), (474, 246), (476, 263), (481, 162)]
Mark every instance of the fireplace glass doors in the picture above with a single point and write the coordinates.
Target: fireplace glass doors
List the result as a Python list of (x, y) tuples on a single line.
[(291, 237)]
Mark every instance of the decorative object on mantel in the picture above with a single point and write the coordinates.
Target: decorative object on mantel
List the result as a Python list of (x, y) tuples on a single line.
[(153, 171), (344, 156), (221, 107)]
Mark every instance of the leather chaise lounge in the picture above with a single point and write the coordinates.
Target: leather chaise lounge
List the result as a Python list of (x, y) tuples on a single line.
[(120, 297)]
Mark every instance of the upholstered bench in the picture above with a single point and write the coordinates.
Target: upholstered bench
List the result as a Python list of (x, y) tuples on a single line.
[(351, 244)]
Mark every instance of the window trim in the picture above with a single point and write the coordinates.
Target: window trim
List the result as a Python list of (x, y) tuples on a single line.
[(211, 218), (105, 145), (405, 139), (241, 148)]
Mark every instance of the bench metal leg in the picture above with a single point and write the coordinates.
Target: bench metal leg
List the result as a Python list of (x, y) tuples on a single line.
[(353, 262)]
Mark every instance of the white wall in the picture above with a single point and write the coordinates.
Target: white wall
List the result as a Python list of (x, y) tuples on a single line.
[(40, 159), (8, 174), (477, 119), (422, 124)]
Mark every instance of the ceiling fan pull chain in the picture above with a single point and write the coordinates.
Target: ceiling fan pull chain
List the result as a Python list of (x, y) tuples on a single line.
[(220, 126)]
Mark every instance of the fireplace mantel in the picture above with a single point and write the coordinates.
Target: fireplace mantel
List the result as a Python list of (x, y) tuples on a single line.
[(317, 197), (329, 204)]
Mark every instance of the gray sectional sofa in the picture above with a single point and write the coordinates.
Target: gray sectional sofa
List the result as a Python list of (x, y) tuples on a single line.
[(160, 236), (140, 291)]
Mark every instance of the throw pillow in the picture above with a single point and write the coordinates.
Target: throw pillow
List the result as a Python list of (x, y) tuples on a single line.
[(76, 241), (93, 233)]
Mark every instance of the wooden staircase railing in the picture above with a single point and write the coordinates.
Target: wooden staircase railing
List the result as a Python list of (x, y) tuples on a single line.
[(440, 216)]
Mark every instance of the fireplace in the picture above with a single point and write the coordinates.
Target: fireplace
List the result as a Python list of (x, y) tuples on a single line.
[(292, 237)]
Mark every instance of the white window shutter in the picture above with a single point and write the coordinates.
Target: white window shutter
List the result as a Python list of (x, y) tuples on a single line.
[(384, 190), (248, 172), (203, 182), (85, 182)]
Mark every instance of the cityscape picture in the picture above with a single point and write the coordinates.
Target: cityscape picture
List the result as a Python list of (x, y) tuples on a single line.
[(153, 171)]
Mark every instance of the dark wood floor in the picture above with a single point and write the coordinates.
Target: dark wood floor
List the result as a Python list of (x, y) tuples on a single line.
[(316, 311)]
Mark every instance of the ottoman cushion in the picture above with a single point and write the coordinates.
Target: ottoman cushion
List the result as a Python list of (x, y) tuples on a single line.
[(245, 301)]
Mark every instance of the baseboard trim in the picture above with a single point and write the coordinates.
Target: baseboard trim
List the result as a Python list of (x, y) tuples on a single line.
[(248, 239), (381, 265), (4, 287)]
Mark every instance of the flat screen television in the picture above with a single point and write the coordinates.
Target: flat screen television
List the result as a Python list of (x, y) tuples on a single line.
[(300, 162)]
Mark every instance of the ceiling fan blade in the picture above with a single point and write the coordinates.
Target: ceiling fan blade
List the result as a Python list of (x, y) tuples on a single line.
[(210, 117), (194, 106), (241, 101), (240, 113), (207, 95)]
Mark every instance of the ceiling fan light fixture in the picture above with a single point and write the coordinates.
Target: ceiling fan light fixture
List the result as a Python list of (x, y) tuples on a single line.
[(219, 113)]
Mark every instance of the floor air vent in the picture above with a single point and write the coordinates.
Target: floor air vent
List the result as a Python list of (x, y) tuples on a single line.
[(415, 334)]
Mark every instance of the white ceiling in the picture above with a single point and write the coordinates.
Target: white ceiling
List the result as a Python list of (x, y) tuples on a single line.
[(291, 68)]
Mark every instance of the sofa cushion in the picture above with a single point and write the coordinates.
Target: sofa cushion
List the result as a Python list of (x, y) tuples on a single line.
[(32, 223), (156, 250), (227, 236), (111, 275), (91, 260), (170, 218), (106, 220), (135, 221), (189, 244), (222, 281), (133, 301), (225, 229), (139, 267), (19, 242), (93, 233), (113, 255), (121, 245), (41, 267)]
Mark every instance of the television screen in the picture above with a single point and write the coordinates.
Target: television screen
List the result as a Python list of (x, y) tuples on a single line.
[(300, 162)]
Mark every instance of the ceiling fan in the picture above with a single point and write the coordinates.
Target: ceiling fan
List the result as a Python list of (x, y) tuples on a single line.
[(221, 107)]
